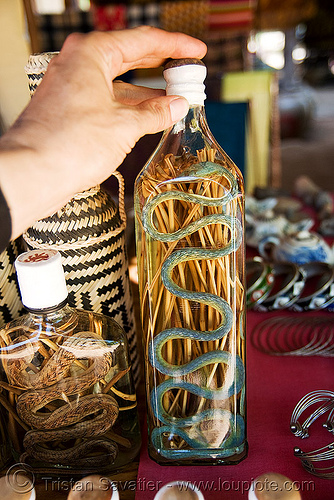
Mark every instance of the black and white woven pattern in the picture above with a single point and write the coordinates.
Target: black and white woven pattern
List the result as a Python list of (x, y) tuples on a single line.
[(35, 69), (89, 234), (10, 300)]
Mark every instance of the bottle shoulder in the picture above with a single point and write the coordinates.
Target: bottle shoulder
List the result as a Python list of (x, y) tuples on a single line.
[(190, 173), (99, 323), (60, 324), (187, 143)]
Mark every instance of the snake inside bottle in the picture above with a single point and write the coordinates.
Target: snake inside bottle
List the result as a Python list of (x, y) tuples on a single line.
[(189, 206), (66, 381)]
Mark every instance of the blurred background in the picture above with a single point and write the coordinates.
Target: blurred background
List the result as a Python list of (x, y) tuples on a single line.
[(270, 83)]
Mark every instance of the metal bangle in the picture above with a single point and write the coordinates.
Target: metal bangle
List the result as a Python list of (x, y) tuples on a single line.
[(290, 291), (325, 453), (295, 336), (320, 455), (259, 279), (324, 397), (323, 295), (329, 424)]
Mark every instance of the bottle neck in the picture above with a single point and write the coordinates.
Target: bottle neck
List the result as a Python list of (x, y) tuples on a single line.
[(194, 121), (58, 316), (48, 310)]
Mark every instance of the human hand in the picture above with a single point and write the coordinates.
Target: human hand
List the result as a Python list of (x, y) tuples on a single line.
[(80, 124)]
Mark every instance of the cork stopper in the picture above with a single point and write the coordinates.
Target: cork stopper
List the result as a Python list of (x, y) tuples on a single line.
[(273, 486), (179, 490), (17, 485), (36, 67), (185, 77), (94, 488), (176, 63)]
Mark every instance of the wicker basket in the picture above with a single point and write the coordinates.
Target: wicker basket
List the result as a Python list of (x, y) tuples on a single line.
[(10, 301)]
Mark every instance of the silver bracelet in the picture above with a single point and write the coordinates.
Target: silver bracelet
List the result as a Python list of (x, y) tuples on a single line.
[(324, 454)]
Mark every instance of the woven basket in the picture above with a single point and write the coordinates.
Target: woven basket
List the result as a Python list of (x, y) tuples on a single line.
[(10, 300), (89, 234), (36, 67)]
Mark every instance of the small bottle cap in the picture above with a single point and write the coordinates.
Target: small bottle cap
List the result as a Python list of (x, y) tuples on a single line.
[(17, 486), (273, 486), (185, 77), (41, 279), (95, 488), (179, 490)]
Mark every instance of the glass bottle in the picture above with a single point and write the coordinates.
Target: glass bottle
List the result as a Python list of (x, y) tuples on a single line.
[(65, 373), (189, 210)]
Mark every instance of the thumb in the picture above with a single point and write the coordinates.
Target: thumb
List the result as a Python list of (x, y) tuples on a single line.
[(160, 113)]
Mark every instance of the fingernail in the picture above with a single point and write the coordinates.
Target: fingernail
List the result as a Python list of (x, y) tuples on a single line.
[(178, 108)]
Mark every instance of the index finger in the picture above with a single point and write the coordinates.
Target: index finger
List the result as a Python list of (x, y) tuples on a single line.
[(142, 47), (147, 47)]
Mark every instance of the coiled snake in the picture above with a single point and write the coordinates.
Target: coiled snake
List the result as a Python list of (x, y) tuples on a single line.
[(234, 375), (70, 420)]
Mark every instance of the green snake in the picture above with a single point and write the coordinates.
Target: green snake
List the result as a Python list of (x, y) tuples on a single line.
[(234, 441), (73, 419)]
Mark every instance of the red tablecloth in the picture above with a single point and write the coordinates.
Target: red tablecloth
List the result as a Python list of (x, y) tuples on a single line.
[(274, 386)]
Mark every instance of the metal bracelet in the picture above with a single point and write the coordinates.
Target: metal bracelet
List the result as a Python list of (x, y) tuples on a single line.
[(323, 295), (324, 397), (292, 280), (259, 279), (309, 459), (320, 455), (295, 336)]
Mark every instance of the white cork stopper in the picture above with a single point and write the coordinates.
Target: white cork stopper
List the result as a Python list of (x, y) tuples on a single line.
[(186, 79), (41, 279), (18, 484), (179, 490), (273, 486)]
